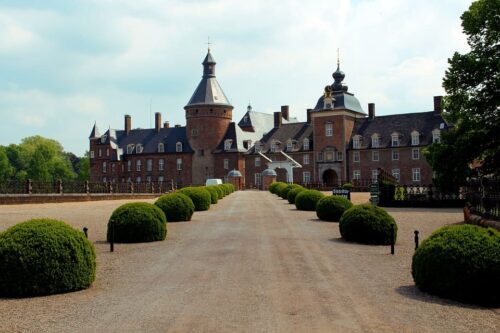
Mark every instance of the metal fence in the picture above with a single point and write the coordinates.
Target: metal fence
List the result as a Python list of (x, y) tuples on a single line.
[(83, 187), (358, 185), (483, 197)]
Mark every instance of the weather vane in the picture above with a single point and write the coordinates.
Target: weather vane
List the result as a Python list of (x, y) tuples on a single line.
[(208, 43), (338, 57)]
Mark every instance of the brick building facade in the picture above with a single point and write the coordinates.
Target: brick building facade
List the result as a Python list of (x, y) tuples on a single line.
[(339, 142)]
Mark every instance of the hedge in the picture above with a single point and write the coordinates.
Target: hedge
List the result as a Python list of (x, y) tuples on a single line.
[(176, 206), (214, 195), (137, 222), (220, 191), (292, 194), (332, 207), (43, 257), (284, 192), (200, 196), (307, 200), (460, 262)]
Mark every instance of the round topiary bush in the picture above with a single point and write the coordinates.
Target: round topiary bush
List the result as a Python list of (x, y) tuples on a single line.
[(347, 186), (293, 193), (137, 222), (176, 206), (220, 192), (43, 257), (272, 187), (214, 195), (284, 192), (460, 262), (201, 197), (231, 187), (307, 199), (223, 189), (280, 187), (367, 224), (332, 207)]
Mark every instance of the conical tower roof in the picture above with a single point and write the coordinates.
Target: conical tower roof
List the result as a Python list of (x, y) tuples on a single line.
[(95, 132)]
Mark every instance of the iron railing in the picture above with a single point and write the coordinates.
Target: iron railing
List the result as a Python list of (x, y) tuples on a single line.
[(483, 196)]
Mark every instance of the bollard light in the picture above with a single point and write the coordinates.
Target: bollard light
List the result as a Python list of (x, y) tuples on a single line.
[(85, 231), (416, 239)]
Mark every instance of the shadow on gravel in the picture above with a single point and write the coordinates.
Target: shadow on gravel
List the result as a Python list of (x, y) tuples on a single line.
[(413, 292), (322, 221), (339, 240)]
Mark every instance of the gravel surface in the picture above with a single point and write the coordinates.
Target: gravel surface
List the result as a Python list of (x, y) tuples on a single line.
[(252, 263)]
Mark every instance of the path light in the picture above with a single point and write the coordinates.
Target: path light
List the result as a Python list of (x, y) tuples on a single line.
[(416, 239), (392, 238), (85, 231)]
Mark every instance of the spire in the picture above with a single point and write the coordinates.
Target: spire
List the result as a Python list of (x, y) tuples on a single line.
[(95, 132), (338, 77), (209, 64)]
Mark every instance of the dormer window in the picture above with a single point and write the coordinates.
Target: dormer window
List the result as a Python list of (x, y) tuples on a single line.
[(257, 146), (178, 147), (275, 146), (139, 148), (130, 149), (415, 138), (436, 136), (375, 140), (161, 148), (227, 144), (395, 140), (356, 142), (103, 138), (289, 145), (306, 144)]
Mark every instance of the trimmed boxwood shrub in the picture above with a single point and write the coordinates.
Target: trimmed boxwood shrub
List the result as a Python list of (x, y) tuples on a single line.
[(307, 199), (214, 196), (43, 257), (347, 186), (460, 262), (201, 197), (280, 187), (367, 224), (220, 192), (231, 187), (137, 222), (284, 192), (176, 206), (293, 193), (274, 186), (332, 207)]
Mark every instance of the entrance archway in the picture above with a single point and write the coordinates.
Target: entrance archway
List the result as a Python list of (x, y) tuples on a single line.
[(281, 175), (330, 178)]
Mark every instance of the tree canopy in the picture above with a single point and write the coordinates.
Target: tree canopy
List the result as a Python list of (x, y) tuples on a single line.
[(472, 84), (40, 159)]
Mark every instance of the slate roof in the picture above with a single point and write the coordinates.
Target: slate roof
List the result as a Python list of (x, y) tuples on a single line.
[(260, 122), (95, 132), (403, 124), (295, 131), (343, 100)]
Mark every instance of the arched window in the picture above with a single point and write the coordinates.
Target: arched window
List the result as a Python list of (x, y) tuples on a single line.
[(395, 139), (161, 148), (178, 147), (306, 144), (138, 165)]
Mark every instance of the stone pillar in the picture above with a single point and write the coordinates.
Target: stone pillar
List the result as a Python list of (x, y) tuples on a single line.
[(268, 177), (234, 177)]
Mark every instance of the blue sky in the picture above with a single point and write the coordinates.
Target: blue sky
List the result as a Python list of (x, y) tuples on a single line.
[(66, 64)]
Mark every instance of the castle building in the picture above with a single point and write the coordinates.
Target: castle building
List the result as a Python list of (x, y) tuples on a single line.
[(338, 143)]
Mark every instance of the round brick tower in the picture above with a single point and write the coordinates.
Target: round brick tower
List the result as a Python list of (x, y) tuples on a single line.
[(208, 114)]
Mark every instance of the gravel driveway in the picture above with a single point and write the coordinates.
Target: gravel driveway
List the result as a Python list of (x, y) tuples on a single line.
[(252, 263)]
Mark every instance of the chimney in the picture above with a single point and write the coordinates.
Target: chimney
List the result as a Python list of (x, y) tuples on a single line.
[(277, 119), (438, 101), (166, 124), (128, 123), (157, 121), (177, 125), (284, 112), (309, 115), (371, 110)]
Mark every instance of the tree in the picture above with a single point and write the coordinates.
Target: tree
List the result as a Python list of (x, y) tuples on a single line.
[(472, 84), (6, 169), (83, 167)]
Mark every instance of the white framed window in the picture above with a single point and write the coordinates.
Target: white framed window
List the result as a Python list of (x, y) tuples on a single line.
[(161, 164), (112, 168), (395, 140), (396, 174), (355, 156), (415, 138), (194, 132), (257, 161), (306, 177), (91, 154), (374, 174), (226, 164), (227, 144), (356, 174), (161, 179), (161, 148), (436, 136), (107, 151), (139, 148), (320, 156), (179, 164), (375, 141), (305, 159), (178, 147), (129, 165), (130, 149), (395, 155), (289, 145), (138, 179), (340, 156), (305, 144), (275, 146), (129, 179), (356, 142), (149, 165), (100, 152), (375, 155), (148, 179), (104, 167), (328, 129), (138, 165), (415, 154), (415, 174), (104, 179), (258, 179)]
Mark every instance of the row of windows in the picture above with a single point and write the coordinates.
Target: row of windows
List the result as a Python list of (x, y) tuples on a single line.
[(395, 139), (276, 145), (99, 153), (305, 160), (139, 148), (415, 174), (138, 179), (306, 178), (138, 165), (415, 155)]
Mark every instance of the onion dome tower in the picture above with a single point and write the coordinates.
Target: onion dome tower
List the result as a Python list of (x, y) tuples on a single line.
[(208, 115)]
